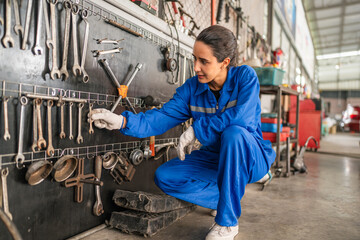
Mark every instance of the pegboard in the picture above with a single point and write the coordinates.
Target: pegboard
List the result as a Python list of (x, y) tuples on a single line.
[(48, 210)]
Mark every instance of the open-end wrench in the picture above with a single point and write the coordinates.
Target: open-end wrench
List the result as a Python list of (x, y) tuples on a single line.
[(80, 139), (27, 24), (84, 15), (7, 40), (55, 72), (17, 28), (108, 41), (63, 69), (71, 137), (41, 141), (76, 69), (34, 145), (4, 173), (37, 49), (46, 16), (62, 132), (20, 158), (6, 118), (50, 149), (91, 129), (98, 208), (97, 53)]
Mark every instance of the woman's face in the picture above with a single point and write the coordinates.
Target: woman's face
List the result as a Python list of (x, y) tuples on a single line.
[(206, 64)]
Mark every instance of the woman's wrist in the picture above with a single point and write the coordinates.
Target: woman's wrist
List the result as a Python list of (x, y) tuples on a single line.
[(124, 123)]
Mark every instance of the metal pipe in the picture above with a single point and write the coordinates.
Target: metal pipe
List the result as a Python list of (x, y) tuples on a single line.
[(137, 68), (10, 226), (30, 95), (108, 70)]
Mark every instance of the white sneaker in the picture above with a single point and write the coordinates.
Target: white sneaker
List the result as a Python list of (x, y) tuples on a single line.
[(218, 232)]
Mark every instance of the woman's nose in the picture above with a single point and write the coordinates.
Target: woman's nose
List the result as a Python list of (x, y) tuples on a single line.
[(196, 66)]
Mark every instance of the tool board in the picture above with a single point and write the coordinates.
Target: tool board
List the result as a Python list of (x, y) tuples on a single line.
[(47, 210)]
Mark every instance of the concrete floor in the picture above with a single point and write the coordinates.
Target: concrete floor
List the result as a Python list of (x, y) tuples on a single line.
[(323, 204)]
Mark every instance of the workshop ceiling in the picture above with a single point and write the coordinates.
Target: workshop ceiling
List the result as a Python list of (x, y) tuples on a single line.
[(335, 29), (334, 25)]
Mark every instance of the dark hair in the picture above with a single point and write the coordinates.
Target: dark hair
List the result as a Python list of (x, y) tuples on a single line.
[(222, 42)]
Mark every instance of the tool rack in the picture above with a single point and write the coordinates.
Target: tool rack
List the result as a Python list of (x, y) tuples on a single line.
[(279, 91)]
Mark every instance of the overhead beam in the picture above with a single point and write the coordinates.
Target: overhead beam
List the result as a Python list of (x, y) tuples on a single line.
[(337, 34), (335, 26), (339, 45), (331, 17), (332, 6)]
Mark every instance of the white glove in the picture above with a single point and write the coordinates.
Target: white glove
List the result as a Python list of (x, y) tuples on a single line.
[(187, 140), (103, 118)]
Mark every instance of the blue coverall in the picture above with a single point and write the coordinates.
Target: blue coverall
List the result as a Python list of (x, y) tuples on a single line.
[(233, 152)]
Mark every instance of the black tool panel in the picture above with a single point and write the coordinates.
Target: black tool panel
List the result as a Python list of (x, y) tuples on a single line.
[(48, 210)]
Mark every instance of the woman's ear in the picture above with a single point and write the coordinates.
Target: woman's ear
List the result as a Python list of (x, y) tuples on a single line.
[(226, 62)]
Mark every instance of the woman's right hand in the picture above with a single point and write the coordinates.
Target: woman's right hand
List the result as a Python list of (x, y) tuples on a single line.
[(103, 118)]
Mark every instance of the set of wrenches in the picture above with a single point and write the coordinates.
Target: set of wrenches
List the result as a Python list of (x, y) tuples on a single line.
[(71, 14), (38, 141)]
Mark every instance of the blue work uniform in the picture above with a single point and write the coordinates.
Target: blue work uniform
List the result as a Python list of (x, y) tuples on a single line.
[(233, 152)]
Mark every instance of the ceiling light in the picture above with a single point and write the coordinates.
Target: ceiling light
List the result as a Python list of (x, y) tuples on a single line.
[(338, 55), (337, 67)]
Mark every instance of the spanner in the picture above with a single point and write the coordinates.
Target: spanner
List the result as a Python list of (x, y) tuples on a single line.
[(97, 53), (108, 41), (98, 208), (91, 129), (63, 70), (37, 49), (84, 15), (34, 145), (54, 73), (4, 172), (17, 28), (80, 139), (7, 40), (41, 141), (27, 24), (71, 137), (62, 132), (6, 118), (20, 158), (76, 69), (50, 149)]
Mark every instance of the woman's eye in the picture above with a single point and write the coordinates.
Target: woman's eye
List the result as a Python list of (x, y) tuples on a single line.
[(203, 61)]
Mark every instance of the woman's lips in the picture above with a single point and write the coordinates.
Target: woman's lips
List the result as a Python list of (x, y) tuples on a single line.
[(201, 76)]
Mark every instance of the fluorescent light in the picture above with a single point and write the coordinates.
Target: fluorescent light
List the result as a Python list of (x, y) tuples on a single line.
[(338, 55)]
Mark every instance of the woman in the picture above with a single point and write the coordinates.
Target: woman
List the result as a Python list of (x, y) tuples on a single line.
[(224, 102)]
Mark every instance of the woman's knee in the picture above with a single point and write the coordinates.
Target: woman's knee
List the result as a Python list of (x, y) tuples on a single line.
[(234, 133)]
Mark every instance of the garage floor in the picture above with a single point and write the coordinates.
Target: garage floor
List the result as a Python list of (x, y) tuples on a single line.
[(324, 204)]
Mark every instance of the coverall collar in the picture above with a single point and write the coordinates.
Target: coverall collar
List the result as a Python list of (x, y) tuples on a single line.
[(228, 85)]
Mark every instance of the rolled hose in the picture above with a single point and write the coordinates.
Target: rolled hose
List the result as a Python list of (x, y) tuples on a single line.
[(10, 226)]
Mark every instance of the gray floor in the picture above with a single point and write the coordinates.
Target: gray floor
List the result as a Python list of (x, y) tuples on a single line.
[(323, 204)]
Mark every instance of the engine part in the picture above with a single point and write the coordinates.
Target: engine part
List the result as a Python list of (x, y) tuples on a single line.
[(38, 171), (64, 167), (136, 156)]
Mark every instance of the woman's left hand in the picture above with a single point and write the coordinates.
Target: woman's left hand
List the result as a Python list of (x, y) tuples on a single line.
[(187, 140)]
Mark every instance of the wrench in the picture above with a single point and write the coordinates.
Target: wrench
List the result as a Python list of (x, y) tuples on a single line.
[(34, 145), (98, 206), (108, 41), (20, 158), (4, 172), (84, 15), (50, 149), (47, 24), (91, 130), (6, 118), (63, 70), (17, 28), (37, 49), (7, 40), (27, 25), (97, 53), (76, 69), (71, 137), (79, 137), (41, 141), (62, 132), (54, 73)]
